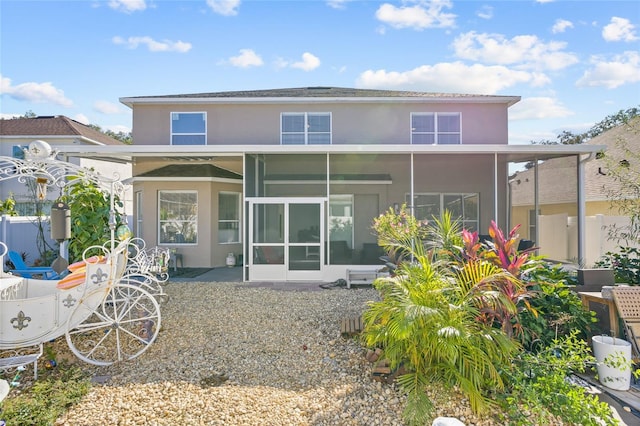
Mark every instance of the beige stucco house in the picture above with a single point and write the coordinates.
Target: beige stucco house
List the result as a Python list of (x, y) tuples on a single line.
[(290, 180), (57, 131), (557, 195)]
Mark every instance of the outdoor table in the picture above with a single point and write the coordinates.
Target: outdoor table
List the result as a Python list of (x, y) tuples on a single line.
[(588, 297)]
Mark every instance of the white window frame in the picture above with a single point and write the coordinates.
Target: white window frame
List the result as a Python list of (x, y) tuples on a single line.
[(203, 134), (139, 207), (237, 221), (306, 133), (436, 131), (160, 221)]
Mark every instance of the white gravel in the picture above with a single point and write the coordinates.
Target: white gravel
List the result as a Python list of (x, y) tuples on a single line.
[(229, 354)]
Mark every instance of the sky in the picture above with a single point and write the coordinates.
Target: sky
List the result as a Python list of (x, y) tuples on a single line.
[(572, 62)]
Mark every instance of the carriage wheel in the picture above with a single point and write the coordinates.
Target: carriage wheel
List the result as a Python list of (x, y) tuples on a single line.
[(120, 328)]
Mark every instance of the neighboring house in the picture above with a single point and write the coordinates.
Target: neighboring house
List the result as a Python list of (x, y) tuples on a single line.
[(57, 131), (291, 179), (558, 195)]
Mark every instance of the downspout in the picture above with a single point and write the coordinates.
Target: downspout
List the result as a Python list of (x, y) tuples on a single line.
[(582, 208)]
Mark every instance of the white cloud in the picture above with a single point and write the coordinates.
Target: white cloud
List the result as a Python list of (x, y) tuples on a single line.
[(81, 118), (485, 12), (128, 6), (544, 1), (621, 69), (424, 14), (526, 51), (619, 29), (451, 77), (106, 107), (153, 45), (538, 108), (224, 7), (309, 62), (34, 92), (7, 116), (561, 26), (337, 4), (117, 128), (247, 58)]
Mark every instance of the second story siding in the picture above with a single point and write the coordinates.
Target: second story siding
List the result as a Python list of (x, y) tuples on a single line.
[(356, 120)]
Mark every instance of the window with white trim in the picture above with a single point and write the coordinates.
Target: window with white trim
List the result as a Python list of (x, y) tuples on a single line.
[(139, 207), (436, 128), (188, 128), (178, 213), (305, 128), (461, 206), (228, 217)]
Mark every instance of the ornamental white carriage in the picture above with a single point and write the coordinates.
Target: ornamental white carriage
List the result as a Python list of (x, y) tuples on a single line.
[(112, 314)]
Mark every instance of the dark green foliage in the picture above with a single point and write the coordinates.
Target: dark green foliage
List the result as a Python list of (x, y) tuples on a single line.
[(90, 211), (625, 265), (454, 316), (559, 309), (540, 393)]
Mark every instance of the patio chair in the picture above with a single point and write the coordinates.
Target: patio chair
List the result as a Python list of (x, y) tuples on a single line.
[(627, 300), (21, 268)]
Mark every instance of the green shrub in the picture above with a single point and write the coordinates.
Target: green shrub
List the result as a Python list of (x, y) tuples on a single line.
[(625, 265), (540, 392), (49, 397), (558, 309)]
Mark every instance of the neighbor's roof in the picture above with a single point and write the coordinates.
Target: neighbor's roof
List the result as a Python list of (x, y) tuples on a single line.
[(54, 126), (320, 94), (557, 178)]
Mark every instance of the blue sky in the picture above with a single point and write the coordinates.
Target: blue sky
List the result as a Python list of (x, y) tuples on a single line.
[(573, 62)]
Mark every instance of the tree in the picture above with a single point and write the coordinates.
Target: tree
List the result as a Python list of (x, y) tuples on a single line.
[(568, 138), (121, 136), (90, 211), (623, 170)]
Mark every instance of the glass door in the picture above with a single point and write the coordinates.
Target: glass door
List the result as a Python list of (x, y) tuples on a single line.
[(286, 239), (305, 242)]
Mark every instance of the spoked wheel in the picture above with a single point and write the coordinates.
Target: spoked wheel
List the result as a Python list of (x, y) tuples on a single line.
[(113, 324)]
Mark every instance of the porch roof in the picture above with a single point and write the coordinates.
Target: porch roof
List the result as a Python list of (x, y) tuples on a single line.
[(190, 171), (509, 153)]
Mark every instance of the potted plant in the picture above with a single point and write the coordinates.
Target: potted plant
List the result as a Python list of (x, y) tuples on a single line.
[(613, 356)]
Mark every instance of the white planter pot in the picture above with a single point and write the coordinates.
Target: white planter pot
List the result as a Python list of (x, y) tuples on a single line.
[(619, 350)]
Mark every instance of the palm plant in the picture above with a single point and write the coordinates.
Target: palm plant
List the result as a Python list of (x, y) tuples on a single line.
[(429, 319)]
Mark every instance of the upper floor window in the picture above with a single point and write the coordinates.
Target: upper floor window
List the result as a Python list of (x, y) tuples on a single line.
[(305, 128), (188, 128), (435, 128)]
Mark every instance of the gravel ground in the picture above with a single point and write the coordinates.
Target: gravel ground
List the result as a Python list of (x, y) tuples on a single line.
[(229, 354)]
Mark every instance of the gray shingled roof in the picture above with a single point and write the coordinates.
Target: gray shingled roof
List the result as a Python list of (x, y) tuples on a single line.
[(58, 125), (318, 92), (192, 171), (558, 177)]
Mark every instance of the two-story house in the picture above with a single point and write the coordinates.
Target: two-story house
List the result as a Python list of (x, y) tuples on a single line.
[(291, 179)]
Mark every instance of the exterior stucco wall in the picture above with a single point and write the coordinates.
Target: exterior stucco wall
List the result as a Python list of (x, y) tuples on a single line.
[(207, 252), (362, 123)]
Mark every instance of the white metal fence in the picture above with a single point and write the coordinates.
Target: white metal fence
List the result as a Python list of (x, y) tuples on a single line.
[(19, 233)]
